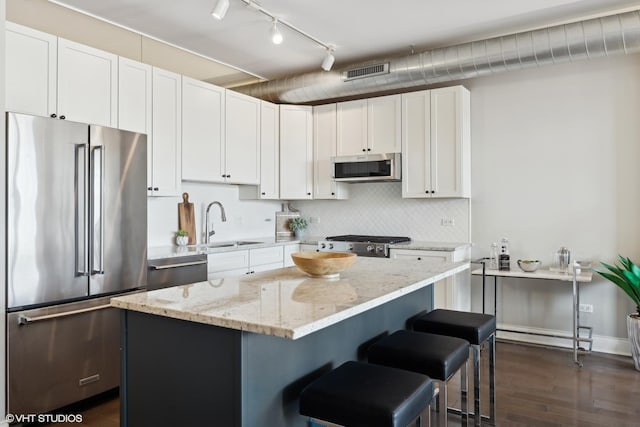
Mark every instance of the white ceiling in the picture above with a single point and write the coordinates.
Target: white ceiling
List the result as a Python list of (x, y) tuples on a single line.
[(360, 29)]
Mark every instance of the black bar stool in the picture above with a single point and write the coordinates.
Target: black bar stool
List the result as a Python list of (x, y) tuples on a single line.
[(475, 328), (357, 394), (437, 356)]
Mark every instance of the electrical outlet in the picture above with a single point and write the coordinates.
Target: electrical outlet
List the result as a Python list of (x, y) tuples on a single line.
[(586, 308), (447, 222)]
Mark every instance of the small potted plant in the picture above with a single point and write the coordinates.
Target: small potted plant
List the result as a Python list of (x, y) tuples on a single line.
[(627, 277), (182, 237), (297, 225)]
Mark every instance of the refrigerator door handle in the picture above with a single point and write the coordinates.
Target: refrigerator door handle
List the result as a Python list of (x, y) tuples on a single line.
[(81, 224), (23, 320), (97, 210)]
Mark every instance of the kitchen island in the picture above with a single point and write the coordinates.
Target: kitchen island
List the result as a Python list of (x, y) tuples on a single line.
[(238, 351)]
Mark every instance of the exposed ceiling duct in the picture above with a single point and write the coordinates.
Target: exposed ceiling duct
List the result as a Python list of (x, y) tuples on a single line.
[(587, 39)]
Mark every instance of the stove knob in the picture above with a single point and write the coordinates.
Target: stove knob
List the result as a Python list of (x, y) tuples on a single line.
[(330, 245), (370, 248), (322, 246)]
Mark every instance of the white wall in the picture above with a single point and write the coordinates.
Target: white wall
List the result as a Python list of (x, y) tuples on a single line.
[(245, 218), (555, 155)]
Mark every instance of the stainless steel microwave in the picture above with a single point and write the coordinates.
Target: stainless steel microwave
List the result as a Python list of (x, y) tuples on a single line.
[(367, 167)]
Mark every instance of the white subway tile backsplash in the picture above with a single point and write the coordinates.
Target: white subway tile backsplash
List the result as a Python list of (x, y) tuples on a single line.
[(379, 209)]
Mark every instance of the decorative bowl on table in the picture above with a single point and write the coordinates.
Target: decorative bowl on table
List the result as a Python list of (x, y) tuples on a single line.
[(528, 265), (326, 265)]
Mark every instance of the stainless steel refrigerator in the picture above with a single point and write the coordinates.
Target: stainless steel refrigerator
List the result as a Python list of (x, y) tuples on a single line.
[(76, 235)]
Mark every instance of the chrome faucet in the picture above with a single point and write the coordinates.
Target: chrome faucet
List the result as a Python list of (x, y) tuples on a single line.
[(209, 231)]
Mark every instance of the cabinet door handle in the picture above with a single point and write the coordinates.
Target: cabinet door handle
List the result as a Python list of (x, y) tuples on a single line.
[(149, 188), (54, 115), (333, 194), (224, 176), (364, 149), (419, 259), (308, 194), (62, 117), (156, 189), (263, 193), (368, 149)]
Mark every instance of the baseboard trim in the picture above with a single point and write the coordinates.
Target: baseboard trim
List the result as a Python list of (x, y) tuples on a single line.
[(601, 343)]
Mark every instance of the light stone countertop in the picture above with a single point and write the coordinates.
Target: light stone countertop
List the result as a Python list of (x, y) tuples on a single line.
[(157, 252), (263, 242), (286, 302)]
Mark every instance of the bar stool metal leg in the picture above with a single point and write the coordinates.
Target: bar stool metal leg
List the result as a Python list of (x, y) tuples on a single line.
[(464, 386), (492, 379), (476, 385)]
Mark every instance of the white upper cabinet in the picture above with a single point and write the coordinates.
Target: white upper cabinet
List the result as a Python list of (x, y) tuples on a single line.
[(369, 126), (242, 147), (269, 151), (351, 127), (167, 133), (203, 110), (325, 147), (31, 67), (296, 152), (134, 104), (87, 84), (436, 152), (50, 76), (384, 125), (134, 96)]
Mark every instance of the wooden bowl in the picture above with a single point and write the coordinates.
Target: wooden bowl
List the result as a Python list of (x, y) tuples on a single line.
[(327, 265)]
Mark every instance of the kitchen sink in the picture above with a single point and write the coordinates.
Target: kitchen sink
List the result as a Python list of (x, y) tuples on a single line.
[(226, 244)]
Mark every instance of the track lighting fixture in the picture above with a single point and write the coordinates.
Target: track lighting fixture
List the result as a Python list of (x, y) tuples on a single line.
[(276, 35), (220, 9), (329, 59)]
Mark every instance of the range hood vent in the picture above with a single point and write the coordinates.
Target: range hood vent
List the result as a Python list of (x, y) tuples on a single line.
[(591, 38), (366, 71)]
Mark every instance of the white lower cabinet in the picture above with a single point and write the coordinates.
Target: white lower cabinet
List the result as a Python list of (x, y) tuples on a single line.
[(239, 263), (451, 293), (288, 250)]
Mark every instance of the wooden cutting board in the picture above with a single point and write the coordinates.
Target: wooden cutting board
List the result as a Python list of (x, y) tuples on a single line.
[(186, 218)]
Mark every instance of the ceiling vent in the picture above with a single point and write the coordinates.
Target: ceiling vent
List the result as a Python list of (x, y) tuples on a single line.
[(366, 71)]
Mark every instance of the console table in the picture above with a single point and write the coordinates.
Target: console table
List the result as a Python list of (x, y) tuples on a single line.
[(575, 278)]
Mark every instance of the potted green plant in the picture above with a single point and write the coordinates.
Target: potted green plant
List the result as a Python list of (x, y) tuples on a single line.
[(297, 225), (182, 237), (627, 277)]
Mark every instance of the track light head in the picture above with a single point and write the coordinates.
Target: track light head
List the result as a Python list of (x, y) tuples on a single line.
[(328, 61), (220, 9), (276, 35)]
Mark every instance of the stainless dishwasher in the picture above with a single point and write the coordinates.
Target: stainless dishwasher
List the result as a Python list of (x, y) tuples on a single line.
[(174, 271)]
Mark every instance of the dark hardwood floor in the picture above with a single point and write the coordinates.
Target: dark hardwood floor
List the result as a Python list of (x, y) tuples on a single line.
[(536, 386)]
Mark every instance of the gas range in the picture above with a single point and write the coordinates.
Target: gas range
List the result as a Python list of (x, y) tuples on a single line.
[(371, 246)]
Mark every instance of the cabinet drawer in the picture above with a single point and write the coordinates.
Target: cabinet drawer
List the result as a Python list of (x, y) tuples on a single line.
[(430, 257), (270, 255), (228, 261)]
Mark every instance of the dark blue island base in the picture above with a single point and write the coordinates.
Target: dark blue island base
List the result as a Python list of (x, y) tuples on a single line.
[(181, 373)]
